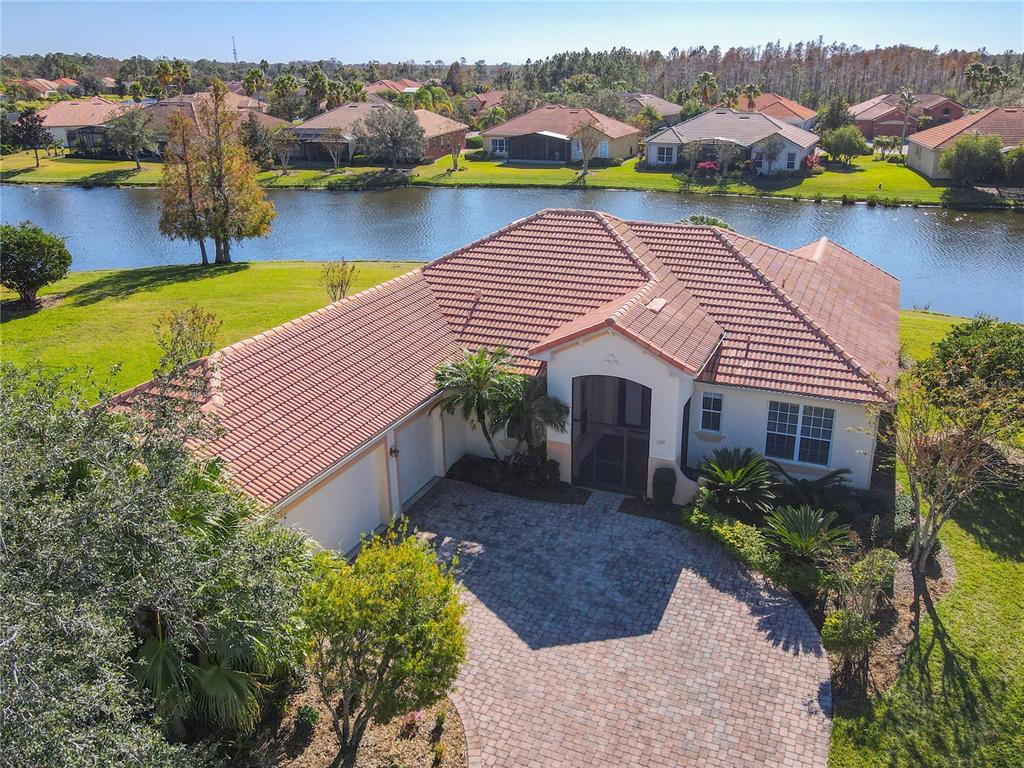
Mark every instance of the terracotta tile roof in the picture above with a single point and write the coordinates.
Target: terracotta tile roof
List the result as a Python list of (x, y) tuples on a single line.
[(486, 100), (1005, 122), (434, 124), (397, 86), (777, 106), (562, 120), (743, 128), (79, 112), (880, 106), (299, 398), (344, 117)]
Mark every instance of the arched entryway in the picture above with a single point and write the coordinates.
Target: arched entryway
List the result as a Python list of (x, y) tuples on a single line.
[(611, 433)]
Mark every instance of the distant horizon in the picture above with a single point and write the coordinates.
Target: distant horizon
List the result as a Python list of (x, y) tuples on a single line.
[(359, 32)]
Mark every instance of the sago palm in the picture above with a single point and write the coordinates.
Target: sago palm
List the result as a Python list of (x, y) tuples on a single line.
[(805, 534), (480, 385), (740, 482)]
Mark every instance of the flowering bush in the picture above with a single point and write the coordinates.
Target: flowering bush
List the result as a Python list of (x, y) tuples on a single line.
[(411, 722), (811, 162), (707, 168)]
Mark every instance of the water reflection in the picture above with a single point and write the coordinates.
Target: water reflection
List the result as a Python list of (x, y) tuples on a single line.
[(950, 261)]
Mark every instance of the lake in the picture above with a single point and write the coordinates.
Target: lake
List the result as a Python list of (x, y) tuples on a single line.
[(963, 263)]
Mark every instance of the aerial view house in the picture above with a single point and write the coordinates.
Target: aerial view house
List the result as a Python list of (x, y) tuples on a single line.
[(667, 341), (926, 147), (703, 138), (481, 102), (669, 111), (442, 133), (403, 85), (882, 116), (66, 116), (781, 108), (545, 135), (39, 87), (108, 85)]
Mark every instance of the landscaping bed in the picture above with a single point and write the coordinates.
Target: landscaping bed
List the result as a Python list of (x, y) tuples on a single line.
[(502, 477)]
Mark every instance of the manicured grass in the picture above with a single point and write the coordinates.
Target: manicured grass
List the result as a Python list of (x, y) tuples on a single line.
[(866, 177), (107, 317), (920, 329), (19, 168)]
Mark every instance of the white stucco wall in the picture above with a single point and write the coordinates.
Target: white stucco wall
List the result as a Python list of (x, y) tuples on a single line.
[(925, 161), (745, 425), (420, 453), (610, 354), (455, 429), (354, 500), (780, 164)]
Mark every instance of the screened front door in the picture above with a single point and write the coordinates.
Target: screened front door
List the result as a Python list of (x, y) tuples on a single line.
[(611, 429)]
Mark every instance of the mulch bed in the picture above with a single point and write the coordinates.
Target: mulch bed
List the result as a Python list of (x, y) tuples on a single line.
[(500, 477), (383, 746)]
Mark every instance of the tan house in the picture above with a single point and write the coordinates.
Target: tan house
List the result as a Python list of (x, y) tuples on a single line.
[(442, 133), (66, 116), (926, 147), (402, 85), (666, 341), (780, 108), (670, 112), (882, 116), (545, 135)]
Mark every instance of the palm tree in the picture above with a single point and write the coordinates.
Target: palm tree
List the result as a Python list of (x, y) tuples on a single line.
[(182, 74), (164, 75), (316, 88), (731, 97), (254, 82), (706, 88), (906, 102), (481, 385), (532, 411), (751, 91), (646, 119), (492, 117)]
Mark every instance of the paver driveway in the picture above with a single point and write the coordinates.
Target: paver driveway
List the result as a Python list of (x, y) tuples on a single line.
[(603, 639)]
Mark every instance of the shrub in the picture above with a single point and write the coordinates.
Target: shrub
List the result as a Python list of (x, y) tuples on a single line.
[(804, 534), (663, 486), (867, 581), (438, 753), (745, 541), (827, 492), (818, 197), (1013, 170), (802, 579), (474, 142), (973, 158), (872, 200), (306, 718), (848, 635), (739, 482), (479, 154), (848, 199), (32, 258)]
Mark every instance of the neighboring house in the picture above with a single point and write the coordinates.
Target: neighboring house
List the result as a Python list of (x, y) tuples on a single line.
[(881, 116), (481, 102), (926, 147), (671, 113), (69, 115), (545, 134), (38, 86), (402, 85), (781, 108), (700, 138), (66, 84), (666, 341), (108, 85), (442, 133)]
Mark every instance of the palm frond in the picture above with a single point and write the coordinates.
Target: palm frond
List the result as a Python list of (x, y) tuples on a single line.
[(225, 695)]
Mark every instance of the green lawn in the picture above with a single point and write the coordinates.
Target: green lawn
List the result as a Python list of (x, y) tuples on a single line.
[(866, 177), (107, 317)]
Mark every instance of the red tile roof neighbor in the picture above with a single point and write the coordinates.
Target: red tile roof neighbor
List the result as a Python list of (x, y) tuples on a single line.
[(563, 120), (299, 398), (778, 107), (78, 112), (396, 86), (1005, 122)]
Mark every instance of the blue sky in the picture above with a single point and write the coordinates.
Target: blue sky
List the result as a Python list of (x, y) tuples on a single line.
[(392, 31)]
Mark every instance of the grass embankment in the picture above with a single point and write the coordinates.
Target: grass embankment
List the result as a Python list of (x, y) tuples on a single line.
[(866, 179), (107, 317), (959, 699)]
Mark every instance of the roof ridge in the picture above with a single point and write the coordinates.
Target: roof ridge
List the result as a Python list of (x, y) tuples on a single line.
[(834, 345), (644, 265), (825, 239)]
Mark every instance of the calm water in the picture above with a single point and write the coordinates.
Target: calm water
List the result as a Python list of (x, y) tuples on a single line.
[(962, 263)]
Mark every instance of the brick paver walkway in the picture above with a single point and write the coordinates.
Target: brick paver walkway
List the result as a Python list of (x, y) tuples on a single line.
[(603, 639)]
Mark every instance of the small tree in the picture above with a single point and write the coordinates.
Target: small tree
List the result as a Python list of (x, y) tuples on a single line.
[(772, 148), (481, 385), (850, 636), (32, 258), (844, 144), (384, 634), (336, 277), (184, 199), (334, 141), (1013, 163), (392, 134), (835, 114), (588, 138), (973, 158), (132, 134), (257, 141), (285, 144), (31, 133)]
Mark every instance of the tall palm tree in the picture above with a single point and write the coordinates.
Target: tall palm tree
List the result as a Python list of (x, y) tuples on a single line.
[(750, 91), (731, 97), (182, 74), (481, 386), (706, 87), (164, 75), (492, 117), (255, 81), (906, 102)]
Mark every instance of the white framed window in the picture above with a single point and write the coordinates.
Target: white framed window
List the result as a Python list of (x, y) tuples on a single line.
[(799, 433), (711, 412), (791, 161), (499, 146), (666, 155)]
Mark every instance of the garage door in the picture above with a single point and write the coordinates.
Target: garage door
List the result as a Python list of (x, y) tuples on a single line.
[(353, 502), (419, 454)]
